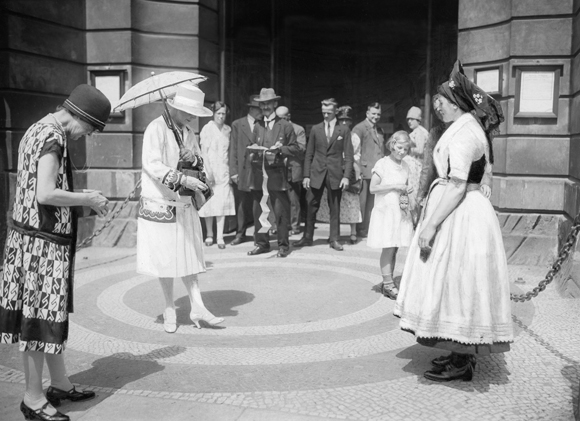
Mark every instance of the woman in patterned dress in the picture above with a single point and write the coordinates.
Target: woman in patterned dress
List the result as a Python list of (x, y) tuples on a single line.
[(169, 238), (37, 278), (215, 142), (454, 293)]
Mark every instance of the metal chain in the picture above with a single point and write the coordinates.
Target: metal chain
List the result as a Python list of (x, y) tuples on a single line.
[(108, 222), (556, 266)]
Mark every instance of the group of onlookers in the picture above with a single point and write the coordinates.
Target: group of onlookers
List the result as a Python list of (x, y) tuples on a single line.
[(325, 178)]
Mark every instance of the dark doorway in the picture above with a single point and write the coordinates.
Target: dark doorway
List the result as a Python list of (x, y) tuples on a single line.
[(357, 52)]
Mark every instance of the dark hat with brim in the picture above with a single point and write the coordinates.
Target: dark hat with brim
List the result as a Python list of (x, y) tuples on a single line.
[(252, 102), (90, 105)]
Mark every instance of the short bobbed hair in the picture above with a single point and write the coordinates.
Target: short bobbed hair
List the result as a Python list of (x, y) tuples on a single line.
[(401, 137)]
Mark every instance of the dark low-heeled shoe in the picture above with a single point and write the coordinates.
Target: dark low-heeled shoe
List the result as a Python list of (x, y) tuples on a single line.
[(443, 360), (39, 414), (450, 372), (55, 396)]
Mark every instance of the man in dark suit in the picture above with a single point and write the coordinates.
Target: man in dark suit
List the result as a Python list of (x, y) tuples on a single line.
[(295, 171), (273, 142), (328, 164), (241, 138), (371, 140)]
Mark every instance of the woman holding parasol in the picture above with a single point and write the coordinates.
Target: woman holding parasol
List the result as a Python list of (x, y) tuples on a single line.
[(169, 236)]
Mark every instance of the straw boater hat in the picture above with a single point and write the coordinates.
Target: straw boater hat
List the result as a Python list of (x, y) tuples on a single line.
[(189, 98), (267, 94), (90, 105), (414, 112)]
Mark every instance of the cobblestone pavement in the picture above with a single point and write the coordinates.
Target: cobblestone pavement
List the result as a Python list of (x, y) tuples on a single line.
[(304, 338)]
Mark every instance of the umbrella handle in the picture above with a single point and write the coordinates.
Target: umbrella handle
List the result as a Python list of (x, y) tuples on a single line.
[(171, 125)]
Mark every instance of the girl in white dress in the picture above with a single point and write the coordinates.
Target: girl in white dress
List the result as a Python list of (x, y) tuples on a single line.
[(454, 293), (215, 142), (391, 225)]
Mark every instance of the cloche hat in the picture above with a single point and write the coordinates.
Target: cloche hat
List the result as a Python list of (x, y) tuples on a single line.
[(90, 105), (189, 98), (414, 112), (344, 113), (267, 94)]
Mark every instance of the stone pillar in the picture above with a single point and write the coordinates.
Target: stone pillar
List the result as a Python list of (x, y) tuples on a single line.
[(536, 171), (151, 37), (43, 59)]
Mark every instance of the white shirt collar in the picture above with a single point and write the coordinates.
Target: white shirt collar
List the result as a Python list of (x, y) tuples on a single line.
[(251, 120), (332, 123)]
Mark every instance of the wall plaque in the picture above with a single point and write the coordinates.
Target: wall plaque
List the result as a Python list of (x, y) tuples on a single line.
[(489, 80), (537, 90)]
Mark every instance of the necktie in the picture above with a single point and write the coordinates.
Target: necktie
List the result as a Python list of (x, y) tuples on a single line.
[(267, 124), (328, 132)]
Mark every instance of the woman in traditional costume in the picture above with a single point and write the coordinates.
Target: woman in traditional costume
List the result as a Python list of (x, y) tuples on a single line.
[(36, 290), (454, 292)]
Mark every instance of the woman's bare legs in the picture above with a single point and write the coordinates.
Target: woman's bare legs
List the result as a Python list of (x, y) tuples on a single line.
[(209, 230), (33, 363), (220, 223), (57, 369), (198, 309), (387, 262), (169, 316)]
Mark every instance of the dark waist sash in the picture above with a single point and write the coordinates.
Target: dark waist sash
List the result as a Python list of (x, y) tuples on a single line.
[(68, 240)]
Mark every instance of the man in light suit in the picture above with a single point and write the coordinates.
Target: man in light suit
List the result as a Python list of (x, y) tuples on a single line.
[(295, 164), (278, 137), (241, 138), (371, 139), (327, 165)]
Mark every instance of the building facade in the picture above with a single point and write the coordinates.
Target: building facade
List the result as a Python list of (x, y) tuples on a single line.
[(525, 52)]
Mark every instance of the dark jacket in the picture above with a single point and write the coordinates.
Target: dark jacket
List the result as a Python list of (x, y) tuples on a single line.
[(241, 138), (372, 146), (296, 163), (275, 164), (323, 158)]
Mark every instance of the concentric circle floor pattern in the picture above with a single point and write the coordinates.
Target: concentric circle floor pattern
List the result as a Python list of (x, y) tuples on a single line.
[(306, 335)]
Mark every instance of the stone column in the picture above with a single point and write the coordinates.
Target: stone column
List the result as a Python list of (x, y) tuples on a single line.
[(536, 171), (141, 37)]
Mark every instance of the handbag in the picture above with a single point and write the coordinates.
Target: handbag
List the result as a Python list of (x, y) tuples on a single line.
[(355, 187), (198, 197)]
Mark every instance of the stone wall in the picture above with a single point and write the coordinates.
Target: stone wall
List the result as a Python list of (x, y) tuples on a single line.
[(48, 47), (536, 172)]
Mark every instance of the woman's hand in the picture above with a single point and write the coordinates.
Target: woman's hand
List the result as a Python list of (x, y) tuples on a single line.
[(193, 183), (98, 202), (486, 190), (426, 236), (186, 155)]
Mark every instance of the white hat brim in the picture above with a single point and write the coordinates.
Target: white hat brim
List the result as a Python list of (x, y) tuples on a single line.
[(196, 111)]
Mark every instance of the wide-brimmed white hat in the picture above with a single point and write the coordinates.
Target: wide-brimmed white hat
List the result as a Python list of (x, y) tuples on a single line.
[(189, 98)]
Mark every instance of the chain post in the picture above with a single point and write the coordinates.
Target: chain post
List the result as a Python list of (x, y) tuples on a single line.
[(108, 222), (556, 266)]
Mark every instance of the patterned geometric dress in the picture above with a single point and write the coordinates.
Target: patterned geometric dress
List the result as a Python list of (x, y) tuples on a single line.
[(37, 282)]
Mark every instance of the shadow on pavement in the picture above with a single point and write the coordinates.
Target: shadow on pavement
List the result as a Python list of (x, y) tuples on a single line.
[(490, 370), (118, 370), (221, 303)]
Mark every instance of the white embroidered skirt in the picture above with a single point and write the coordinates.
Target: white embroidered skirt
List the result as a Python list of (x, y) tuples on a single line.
[(172, 246), (461, 291)]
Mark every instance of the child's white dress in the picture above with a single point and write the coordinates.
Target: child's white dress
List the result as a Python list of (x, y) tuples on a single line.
[(390, 226)]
